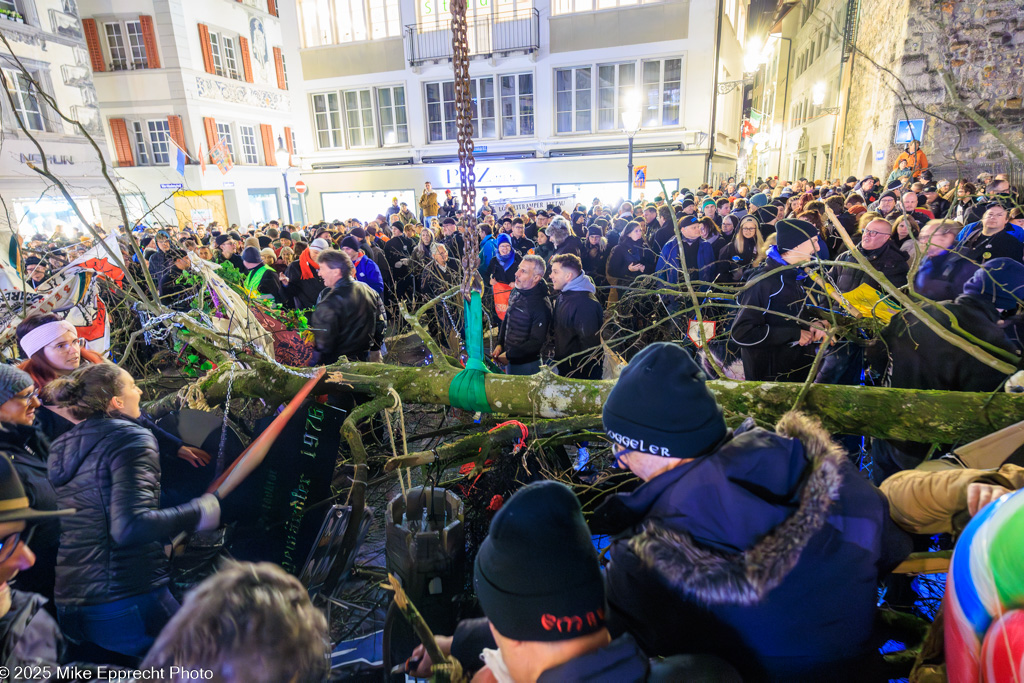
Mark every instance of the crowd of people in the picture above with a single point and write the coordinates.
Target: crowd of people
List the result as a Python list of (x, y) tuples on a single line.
[(775, 577)]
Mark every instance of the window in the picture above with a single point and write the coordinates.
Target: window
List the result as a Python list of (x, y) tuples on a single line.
[(615, 83), (394, 126), (141, 154), (125, 53), (327, 120), (218, 63), (441, 110), (229, 58), (517, 105), (224, 133), (249, 153), (330, 22), (159, 140), (9, 5), (573, 100), (359, 118), (662, 91), (284, 70), (295, 147), (26, 101), (572, 6), (115, 43)]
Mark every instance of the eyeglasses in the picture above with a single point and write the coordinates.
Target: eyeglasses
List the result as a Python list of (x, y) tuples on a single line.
[(66, 346), (26, 399), (10, 543), (876, 233)]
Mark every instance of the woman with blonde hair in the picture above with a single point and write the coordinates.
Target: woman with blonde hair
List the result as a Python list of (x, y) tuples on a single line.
[(736, 258)]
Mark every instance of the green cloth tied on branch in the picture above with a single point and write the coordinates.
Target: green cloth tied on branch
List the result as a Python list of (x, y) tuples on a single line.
[(467, 389)]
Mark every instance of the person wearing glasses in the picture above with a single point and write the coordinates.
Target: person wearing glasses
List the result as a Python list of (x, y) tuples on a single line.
[(112, 572), (877, 246), (28, 450), (54, 350), (28, 634)]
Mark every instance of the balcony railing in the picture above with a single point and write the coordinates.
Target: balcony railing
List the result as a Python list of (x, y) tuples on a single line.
[(500, 34)]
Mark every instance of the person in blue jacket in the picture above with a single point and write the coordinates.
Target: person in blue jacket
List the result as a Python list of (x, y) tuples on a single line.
[(762, 547), (366, 271), (699, 254), (488, 247)]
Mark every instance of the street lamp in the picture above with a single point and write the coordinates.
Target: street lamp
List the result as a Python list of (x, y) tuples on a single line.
[(631, 124), (284, 163)]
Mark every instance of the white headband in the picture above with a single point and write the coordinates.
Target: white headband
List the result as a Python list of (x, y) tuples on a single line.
[(45, 335)]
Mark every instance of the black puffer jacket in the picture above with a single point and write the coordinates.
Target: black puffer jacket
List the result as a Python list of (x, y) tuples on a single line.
[(28, 449), (108, 470), (349, 320), (525, 328), (576, 328)]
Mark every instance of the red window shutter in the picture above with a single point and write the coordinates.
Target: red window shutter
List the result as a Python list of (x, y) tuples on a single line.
[(272, 7), (122, 143), (211, 131), (267, 133), (177, 132), (149, 40), (204, 43), (92, 41), (288, 140), (279, 63), (243, 47)]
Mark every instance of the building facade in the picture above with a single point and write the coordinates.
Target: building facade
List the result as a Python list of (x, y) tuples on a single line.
[(196, 77), (550, 81), (44, 62)]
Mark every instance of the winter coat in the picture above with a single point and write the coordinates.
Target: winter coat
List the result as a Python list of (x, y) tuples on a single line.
[(733, 553), (428, 203), (522, 245), (367, 272), (916, 162), (302, 293), (595, 261), (488, 250), (768, 341), (28, 449), (979, 248), (700, 261), (448, 208), (934, 501), (455, 243), (400, 249), (920, 359), (545, 251), (159, 264), (887, 259), (625, 254), (501, 274), (29, 637), (942, 277), (435, 282), (575, 328), (349, 320), (174, 294), (570, 245), (108, 469), (733, 263), (525, 328)]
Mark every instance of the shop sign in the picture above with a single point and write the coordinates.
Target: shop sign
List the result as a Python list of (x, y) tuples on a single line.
[(56, 159), (170, 186)]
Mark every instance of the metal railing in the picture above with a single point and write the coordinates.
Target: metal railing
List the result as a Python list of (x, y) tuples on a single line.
[(498, 34)]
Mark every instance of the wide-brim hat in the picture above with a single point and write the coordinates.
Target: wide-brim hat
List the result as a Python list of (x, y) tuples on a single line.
[(14, 505)]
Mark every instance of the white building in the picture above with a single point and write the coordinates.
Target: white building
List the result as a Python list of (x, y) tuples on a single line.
[(804, 91), (193, 74), (46, 38), (550, 78)]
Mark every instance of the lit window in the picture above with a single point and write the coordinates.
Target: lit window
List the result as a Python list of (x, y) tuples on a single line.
[(159, 137), (662, 81), (516, 105), (615, 84), (330, 22), (248, 135)]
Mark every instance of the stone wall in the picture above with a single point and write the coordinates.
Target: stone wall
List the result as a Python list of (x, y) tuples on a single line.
[(980, 43)]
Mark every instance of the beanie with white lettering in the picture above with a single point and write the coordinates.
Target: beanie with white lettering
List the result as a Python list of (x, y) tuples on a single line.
[(662, 406)]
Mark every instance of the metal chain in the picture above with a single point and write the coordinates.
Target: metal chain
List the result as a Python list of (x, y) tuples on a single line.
[(224, 425), (464, 126)]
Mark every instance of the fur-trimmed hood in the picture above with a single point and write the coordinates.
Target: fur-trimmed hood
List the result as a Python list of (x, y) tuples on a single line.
[(778, 488)]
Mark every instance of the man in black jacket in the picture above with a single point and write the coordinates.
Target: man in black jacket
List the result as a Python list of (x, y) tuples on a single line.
[(525, 328), (398, 252), (876, 245), (227, 248), (453, 240), (349, 319), (576, 321), (302, 282)]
